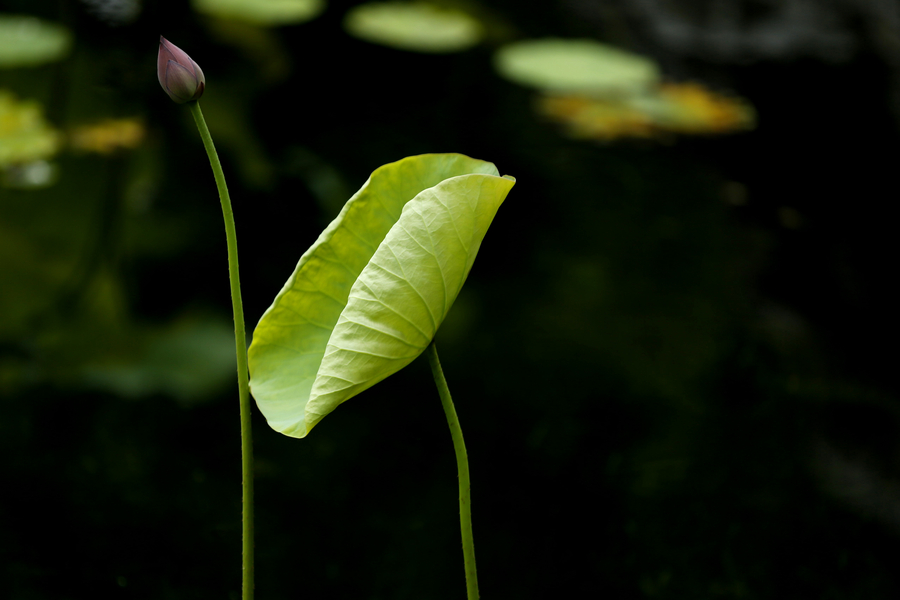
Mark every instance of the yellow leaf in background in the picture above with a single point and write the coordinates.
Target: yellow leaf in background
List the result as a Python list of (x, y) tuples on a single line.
[(688, 109), (693, 109), (589, 118), (108, 136)]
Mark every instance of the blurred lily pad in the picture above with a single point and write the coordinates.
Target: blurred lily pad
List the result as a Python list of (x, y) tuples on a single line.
[(576, 66), (262, 12), (28, 41), (418, 27), (25, 136)]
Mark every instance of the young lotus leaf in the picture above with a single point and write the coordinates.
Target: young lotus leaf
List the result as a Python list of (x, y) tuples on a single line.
[(369, 295)]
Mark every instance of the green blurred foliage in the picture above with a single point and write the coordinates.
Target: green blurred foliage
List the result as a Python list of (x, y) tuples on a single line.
[(25, 136), (672, 361)]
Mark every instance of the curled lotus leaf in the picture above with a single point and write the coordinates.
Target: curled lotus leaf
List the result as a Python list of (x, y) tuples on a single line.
[(369, 295)]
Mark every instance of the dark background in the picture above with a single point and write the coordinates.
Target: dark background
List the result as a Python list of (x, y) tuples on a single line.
[(674, 361)]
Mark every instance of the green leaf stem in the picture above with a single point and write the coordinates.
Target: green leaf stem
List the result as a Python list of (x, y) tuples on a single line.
[(369, 295)]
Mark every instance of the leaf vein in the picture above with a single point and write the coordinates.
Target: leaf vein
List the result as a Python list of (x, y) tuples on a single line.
[(433, 254), (395, 311)]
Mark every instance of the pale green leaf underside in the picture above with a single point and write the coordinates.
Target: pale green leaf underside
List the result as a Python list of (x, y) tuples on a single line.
[(369, 295)]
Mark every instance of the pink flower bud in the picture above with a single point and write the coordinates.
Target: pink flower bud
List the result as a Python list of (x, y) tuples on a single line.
[(179, 76)]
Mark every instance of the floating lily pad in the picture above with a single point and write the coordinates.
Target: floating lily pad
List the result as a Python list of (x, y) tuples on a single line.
[(368, 296), (28, 41), (262, 12), (417, 27), (576, 66)]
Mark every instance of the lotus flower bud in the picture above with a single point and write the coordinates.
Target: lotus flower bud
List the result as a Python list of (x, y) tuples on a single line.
[(179, 76)]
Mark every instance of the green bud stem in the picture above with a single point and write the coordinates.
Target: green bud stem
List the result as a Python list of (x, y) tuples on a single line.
[(240, 339), (462, 465)]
